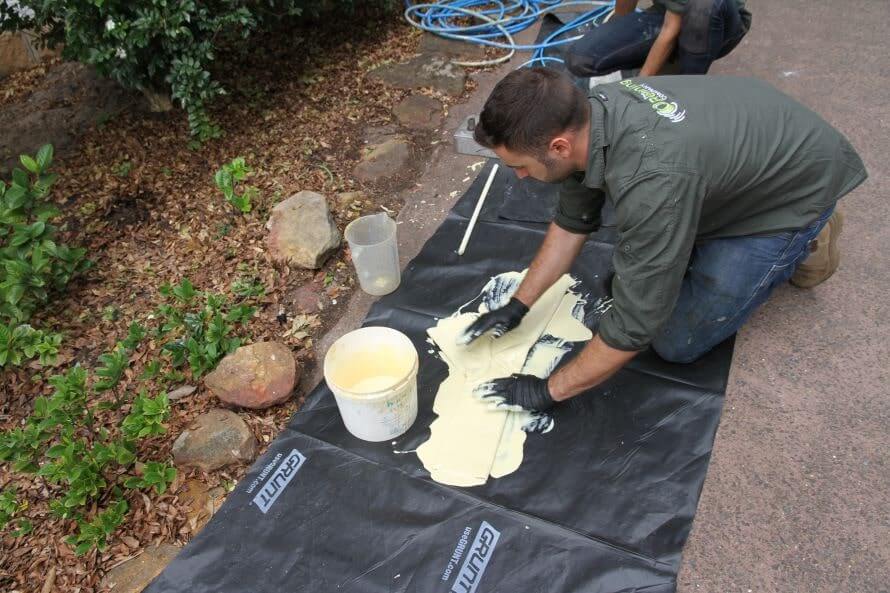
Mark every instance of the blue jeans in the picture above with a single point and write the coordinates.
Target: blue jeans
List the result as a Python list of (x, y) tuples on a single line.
[(726, 281), (710, 30)]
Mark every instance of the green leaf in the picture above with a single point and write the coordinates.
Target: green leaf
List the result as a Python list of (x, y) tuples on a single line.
[(56, 451), (20, 178), (83, 547), (14, 294), (134, 482), (30, 164), (45, 156), (24, 528), (36, 229), (185, 291), (15, 197)]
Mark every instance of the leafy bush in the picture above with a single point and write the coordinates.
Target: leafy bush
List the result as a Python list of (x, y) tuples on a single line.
[(228, 176), (32, 263), (157, 46), (22, 342), (203, 330), (95, 533), (9, 507), (60, 441)]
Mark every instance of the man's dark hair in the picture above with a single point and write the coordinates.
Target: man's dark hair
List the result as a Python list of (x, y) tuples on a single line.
[(528, 108)]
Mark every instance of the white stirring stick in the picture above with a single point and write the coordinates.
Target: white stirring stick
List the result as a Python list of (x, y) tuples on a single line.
[(466, 239)]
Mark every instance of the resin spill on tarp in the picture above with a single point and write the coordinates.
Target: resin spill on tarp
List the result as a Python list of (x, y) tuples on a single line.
[(471, 439)]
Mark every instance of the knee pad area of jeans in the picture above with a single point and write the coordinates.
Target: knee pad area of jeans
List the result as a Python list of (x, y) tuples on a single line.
[(676, 353), (581, 65)]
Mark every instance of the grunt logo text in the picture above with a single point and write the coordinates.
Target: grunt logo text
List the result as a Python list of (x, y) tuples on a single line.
[(476, 561), (279, 480)]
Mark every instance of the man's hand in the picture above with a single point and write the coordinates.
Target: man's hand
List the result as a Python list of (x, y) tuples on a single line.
[(524, 391), (498, 322)]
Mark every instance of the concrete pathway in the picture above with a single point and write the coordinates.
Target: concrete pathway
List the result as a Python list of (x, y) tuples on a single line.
[(797, 494)]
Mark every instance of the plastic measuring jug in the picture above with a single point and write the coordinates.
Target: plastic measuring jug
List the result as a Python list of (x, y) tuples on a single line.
[(375, 253)]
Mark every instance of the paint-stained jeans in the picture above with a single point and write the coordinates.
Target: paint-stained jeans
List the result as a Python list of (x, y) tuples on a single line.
[(726, 281), (710, 30)]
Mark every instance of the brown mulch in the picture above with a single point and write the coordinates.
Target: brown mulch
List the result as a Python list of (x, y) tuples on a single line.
[(144, 205)]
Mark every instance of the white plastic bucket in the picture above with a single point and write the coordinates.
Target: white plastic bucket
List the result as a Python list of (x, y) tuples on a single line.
[(372, 372)]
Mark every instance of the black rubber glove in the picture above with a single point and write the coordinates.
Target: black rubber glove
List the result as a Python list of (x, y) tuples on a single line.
[(524, 391), (498, 322)]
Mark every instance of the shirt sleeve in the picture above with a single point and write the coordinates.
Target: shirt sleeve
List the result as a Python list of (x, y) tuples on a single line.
[(676, 6), (580, 207), (657, 223)]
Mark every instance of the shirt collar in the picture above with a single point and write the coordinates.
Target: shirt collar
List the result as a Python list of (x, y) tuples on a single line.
[(595, 174)]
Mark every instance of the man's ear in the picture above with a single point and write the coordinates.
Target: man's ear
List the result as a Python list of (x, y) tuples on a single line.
[(560, 147)]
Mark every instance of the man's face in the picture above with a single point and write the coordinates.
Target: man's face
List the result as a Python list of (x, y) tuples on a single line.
[(552, 168)]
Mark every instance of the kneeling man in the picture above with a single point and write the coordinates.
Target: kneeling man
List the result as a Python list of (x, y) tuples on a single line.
[(723, 189)]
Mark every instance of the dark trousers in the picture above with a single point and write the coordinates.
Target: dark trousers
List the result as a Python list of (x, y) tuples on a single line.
[(710, 30), (727, 280)]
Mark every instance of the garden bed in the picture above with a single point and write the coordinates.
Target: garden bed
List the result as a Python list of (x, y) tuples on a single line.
[(143, 203)]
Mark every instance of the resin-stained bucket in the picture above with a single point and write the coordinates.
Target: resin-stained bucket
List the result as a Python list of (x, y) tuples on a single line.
[(372, 372)]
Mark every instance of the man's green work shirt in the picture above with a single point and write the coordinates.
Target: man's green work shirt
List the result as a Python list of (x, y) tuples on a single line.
[(691, 158)]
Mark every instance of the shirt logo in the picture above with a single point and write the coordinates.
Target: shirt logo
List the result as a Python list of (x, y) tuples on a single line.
[(279, 480), (477, 560), (658, 100)]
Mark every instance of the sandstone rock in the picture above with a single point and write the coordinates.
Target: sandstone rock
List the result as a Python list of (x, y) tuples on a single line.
[(181, 392), (20, 51), (256, 376), (384, 160), (419, 111), (67, 101), (310, 298), (218, 438), (15, 54), (201, 502), (452, 48), (381, 133), (302, 231), (348, 198), (134, 575), (422, 71)]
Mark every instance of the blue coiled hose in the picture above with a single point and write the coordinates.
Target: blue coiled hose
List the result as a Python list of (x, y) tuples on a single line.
[(500, 19)]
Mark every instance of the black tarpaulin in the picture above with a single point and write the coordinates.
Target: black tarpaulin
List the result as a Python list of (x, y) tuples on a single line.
[(602, 503)]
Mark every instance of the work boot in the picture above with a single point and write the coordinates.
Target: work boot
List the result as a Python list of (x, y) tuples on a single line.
[(824, 255)]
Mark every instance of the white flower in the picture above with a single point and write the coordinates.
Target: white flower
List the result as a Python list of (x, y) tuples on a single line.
[(23, 12), (121, 53), (109, 25)]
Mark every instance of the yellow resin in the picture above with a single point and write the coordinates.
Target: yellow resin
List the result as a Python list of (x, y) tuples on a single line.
[(374, 369), (471, 440)]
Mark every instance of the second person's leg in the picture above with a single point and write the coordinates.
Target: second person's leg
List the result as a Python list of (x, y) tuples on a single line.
[(622, 43), (711, 29)]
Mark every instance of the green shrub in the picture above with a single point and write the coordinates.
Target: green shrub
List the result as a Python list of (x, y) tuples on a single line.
[(201, 331), (95, 533), (9, 508), (158, 46), (60, 442), (32, 264), (226, 179), (22, 342)]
